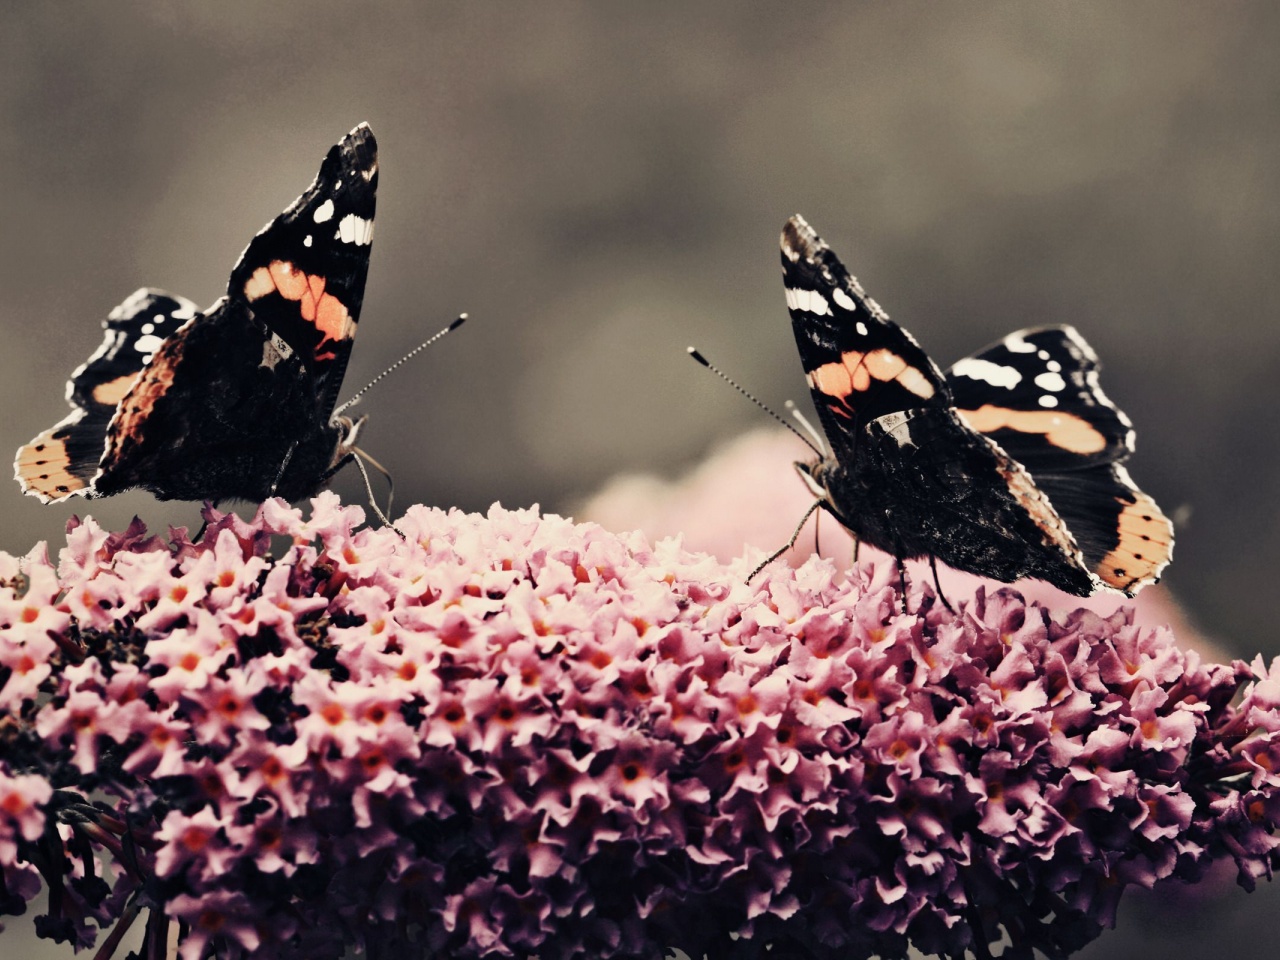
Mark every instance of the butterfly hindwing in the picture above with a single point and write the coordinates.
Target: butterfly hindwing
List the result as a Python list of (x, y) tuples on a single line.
[(925, 484), (64, 459), (1036, 393), (860, 364), (1125, 538)]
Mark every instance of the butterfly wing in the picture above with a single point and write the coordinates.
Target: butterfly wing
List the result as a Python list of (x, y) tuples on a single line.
[(860, 364), (237, 402), (238, 405), (63, 460), (1036, 394), (303, 275), (926, 484)]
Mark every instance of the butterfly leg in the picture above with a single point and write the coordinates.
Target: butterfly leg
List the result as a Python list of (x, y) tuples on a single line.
[(333, 471), (368, 489), (933, 565), (353, 458), (386, 475), (357, 455), (789, 544), (902, 582)]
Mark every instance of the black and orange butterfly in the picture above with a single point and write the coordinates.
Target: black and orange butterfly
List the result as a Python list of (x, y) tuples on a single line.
[(1010, 465)]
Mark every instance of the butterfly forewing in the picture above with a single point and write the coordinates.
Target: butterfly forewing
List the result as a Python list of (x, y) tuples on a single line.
[(303, 275), (860, 364)]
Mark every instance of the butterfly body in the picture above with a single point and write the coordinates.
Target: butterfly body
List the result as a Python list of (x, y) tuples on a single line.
[(223, 427), (234, 402), (1008, 466), (911, 493)]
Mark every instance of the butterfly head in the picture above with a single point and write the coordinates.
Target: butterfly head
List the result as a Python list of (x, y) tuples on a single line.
[(348, 430), (816, 475)]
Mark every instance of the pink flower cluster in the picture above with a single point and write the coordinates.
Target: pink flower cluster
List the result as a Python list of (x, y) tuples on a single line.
[(509, 735)]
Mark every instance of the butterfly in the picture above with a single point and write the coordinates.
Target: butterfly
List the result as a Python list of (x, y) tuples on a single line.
[(1009, 465), (237, 401)]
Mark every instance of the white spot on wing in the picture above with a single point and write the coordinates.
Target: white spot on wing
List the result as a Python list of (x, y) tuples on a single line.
[(148, 344), (896, 426), (862, 329), (323, 212), (1054, 365), (357, 230), (809, 300), (148, 328), (275, 350), (306, 241), (130, 307), (1052, 382), (993, 373), (842, 298), (1014, 343), (1048, 400)]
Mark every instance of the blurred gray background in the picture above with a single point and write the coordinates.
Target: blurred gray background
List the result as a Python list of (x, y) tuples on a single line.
[(601, 184)]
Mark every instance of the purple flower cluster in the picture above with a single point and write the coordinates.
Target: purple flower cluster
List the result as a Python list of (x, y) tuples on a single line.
[(509, 735)]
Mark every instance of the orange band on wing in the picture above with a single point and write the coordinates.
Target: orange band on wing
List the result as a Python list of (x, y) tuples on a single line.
[(43, 467), (152, 384), (835, 380), (854, 371), (1146, 544), (1064, 430), (109, 394), (322, 310)]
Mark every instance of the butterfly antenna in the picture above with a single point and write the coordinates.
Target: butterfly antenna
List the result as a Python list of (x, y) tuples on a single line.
[(804, 422), (754, 399), (462, 318)]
